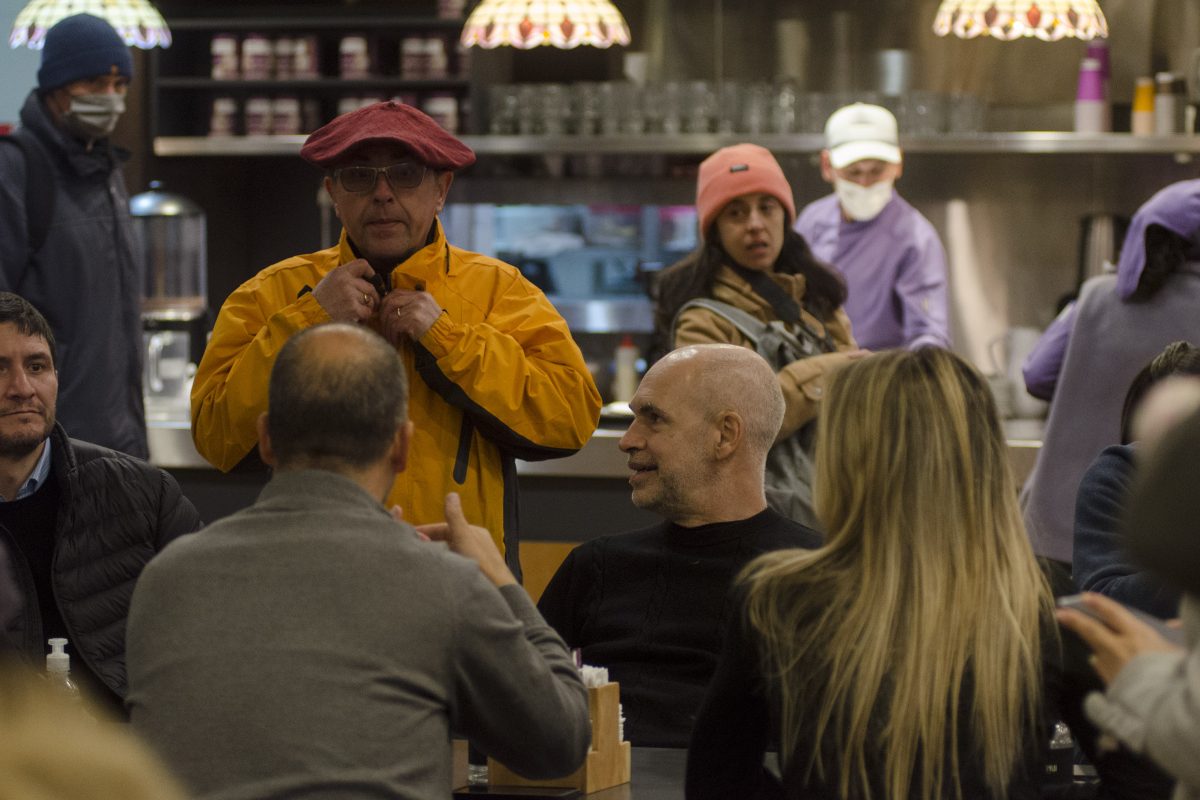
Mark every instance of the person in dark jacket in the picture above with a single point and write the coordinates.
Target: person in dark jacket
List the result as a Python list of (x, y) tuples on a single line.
[(651, 605), (78, 521), (66, 236), (1100, 559)]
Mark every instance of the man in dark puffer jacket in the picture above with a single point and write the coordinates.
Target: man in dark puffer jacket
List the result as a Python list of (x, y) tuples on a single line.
[(79, 521)]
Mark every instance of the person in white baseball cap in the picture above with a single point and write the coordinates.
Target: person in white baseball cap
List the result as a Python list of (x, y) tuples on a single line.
[(890, 255)]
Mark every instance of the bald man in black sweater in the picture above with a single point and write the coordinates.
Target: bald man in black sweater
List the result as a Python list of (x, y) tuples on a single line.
[(651, 605)]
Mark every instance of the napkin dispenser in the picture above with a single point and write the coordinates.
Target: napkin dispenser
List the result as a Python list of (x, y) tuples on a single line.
[(608, 759)]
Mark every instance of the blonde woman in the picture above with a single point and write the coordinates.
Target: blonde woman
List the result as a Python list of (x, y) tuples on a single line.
[(915, 654)]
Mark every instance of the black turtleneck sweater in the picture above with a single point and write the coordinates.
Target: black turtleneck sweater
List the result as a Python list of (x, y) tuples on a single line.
[(651, 606)]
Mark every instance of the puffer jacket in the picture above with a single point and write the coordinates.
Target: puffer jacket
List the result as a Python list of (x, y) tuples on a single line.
[(115, 513), (86, 279), (497, 377), (802, 382)]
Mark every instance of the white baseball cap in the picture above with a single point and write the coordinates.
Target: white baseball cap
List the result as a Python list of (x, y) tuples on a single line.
[(859, 131)]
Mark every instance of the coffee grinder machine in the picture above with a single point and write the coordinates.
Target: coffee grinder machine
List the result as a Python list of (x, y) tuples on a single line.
[(171, 230)]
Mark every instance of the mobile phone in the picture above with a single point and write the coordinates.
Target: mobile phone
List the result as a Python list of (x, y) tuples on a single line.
[(1075, 602)]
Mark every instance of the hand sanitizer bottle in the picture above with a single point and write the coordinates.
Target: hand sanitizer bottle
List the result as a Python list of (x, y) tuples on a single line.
[(58, 668)]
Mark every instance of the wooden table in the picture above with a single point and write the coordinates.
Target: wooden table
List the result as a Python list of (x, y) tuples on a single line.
[(657, 775)]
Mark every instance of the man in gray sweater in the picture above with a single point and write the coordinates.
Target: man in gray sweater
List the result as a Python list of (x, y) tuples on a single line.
[(313, 646)]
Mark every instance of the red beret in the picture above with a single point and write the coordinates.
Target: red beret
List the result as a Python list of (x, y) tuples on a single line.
[(393, 122)]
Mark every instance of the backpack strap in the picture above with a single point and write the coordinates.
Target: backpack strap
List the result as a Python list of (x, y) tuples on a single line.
[(803, 341), (39, 188), (753, 329)]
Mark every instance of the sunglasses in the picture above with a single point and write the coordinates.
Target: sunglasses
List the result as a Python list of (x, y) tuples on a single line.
[(360, 180)]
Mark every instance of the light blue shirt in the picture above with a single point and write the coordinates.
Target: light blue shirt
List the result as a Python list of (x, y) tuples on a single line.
[(36, 478)]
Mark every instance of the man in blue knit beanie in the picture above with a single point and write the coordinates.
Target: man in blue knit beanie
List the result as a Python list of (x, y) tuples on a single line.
[(66, 237)]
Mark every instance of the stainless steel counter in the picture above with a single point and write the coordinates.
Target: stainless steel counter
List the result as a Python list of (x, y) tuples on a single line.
[(171, 447)]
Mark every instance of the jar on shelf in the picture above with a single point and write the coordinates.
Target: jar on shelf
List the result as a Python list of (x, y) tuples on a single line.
[(437, 65), (223, 121), (285, 115), (354, 57), (285, 57), (257, 117), (224, 49), (444, 110), (414, 58), (450, 9), (258, 55), (305, 59)]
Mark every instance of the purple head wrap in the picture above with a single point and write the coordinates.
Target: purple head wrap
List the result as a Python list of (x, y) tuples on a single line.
[(1176, 208)]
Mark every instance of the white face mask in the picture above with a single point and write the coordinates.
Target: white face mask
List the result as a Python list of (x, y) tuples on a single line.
[(93, 116), (862, 203)]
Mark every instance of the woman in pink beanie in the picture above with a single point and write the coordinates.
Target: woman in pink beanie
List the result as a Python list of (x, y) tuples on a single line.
[(754, 282)]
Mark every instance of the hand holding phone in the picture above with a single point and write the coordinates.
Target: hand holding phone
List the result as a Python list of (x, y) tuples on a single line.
[(1116, 634), (1075, 602)]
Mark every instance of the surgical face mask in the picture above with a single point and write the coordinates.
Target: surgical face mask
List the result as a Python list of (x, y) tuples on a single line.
[(93, 116), (863, 203)]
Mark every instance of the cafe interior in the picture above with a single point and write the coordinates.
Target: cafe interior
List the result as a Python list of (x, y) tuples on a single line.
[(588, 138)]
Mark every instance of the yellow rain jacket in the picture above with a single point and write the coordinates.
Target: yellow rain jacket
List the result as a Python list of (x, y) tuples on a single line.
[(497, 377)]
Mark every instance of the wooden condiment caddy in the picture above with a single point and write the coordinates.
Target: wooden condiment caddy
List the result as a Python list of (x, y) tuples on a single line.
[(607, 762)]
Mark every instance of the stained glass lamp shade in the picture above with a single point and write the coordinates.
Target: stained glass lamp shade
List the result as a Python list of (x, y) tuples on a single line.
[(137, 21), (531, 23), (1048, 20)]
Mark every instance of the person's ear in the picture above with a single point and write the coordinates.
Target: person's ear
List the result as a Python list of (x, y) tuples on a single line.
[(444, 179), (265, 451), (899, 168), (730, 430), (328, 182), (400, 445), (827, 172)]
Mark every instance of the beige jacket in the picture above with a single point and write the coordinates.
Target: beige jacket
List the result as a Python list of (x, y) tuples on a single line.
[(803, 382)]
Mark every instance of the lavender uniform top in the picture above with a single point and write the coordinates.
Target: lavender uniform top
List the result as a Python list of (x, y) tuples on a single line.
[(1176, 208), (895, 271)]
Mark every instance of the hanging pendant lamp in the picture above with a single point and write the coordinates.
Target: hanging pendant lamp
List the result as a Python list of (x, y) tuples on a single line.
[(1049, 20), (531, 23), (137, 21)]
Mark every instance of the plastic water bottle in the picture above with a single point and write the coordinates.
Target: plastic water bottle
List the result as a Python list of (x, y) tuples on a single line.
[(625, 379), (1092, 113)]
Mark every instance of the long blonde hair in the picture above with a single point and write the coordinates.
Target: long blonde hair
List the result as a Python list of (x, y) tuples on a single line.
[(926, 578)]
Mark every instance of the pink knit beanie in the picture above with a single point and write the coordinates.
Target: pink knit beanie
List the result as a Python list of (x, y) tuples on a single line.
[(737, 170)]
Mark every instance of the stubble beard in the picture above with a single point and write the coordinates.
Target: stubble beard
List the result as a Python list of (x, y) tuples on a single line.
[(666, 499), (22, 444)]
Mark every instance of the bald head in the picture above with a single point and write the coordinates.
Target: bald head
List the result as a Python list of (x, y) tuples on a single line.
[(726, 377), (704, 418), (337, 395)]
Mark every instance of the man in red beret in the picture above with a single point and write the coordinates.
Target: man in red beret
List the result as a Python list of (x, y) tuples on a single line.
[(493, 370)]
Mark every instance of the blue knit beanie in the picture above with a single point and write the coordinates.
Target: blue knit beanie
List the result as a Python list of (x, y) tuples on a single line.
[(82, 46)]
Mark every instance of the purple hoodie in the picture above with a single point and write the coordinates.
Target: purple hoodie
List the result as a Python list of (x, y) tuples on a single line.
[(1176, 208)]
